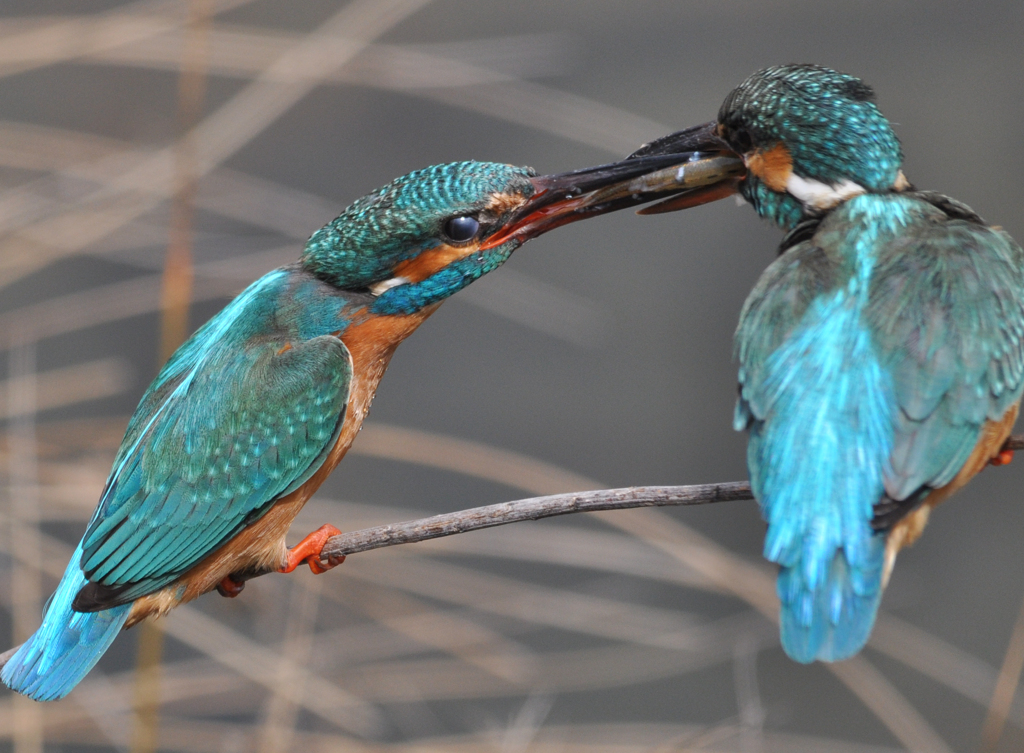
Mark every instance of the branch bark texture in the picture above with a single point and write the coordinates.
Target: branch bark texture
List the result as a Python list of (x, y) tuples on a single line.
[(536, 508)]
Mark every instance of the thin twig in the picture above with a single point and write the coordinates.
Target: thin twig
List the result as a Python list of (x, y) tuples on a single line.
[(534, 508), (550, 506)]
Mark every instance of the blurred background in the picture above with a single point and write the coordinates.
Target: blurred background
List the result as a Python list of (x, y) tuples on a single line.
[(175, 150)]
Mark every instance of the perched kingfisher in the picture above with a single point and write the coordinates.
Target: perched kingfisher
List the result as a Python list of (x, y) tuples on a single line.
[(254, 411), (881, 356)]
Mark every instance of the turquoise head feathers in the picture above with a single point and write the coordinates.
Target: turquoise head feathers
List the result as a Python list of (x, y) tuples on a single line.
[(398, 221), (811, 137)]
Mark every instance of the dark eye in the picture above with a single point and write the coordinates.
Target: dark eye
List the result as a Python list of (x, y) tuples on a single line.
[(461, 229), (741, 141)]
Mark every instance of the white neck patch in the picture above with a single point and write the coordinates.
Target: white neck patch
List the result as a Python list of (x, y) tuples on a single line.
[(820, 196), (378, 288)]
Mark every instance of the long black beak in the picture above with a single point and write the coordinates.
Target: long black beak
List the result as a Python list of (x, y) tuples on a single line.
[(568, 197), (702, 138)]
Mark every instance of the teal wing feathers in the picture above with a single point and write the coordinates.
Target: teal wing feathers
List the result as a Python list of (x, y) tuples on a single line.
[(947, 312), (240, 417)]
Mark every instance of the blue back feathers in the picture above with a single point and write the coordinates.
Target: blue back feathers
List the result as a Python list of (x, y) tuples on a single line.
[(871, 356), (207, 450), (872, 353), (821, 412), (204, 454)]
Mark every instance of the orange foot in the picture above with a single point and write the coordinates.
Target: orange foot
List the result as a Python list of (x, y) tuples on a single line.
[(1003, 458), (309, 549), (230, 587)]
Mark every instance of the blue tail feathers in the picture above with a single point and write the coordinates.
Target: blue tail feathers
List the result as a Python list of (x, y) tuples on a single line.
[(820, 412), (66, 646), (832, 620)]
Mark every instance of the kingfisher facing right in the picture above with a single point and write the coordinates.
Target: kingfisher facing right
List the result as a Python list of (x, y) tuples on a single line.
[(881, 356), (252, 413)]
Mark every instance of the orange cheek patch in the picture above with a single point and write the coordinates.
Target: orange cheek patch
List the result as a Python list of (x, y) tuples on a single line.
[(773, 166), (432, 261)]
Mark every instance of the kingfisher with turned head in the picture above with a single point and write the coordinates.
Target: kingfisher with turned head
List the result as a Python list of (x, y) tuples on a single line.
[(881, 355), (254, 411)]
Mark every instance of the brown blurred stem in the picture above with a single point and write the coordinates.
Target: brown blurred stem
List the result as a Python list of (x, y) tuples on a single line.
[(1005, 689), (176, 295), (1010, 672), (178, 272)]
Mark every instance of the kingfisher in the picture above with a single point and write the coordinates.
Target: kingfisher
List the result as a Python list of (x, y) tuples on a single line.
[(254, 411), (881, 355)]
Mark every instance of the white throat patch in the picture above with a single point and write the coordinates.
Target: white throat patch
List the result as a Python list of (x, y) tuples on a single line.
[(820, 196), (378, 288)]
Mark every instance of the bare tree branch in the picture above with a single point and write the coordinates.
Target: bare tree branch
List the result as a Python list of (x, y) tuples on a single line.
[(534, 508)]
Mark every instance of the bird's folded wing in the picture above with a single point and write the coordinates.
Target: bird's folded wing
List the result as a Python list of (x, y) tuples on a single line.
[(947, 313), (223, 432)]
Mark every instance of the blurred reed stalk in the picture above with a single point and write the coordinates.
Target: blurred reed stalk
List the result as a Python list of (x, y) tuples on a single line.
[(1006, 688), (280, 712), (24, 543), (176, 294)]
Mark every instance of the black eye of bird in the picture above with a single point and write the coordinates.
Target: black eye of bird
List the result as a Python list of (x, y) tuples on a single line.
[(741, 141), (461, 229)]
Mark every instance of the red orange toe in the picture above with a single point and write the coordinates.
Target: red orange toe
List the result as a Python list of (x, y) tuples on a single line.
[(1003, 458), (230, 588), (309, 549)]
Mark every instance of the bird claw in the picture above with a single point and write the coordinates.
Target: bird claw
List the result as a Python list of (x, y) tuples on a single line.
[(318, 566), (309, 551), (229, 587)]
